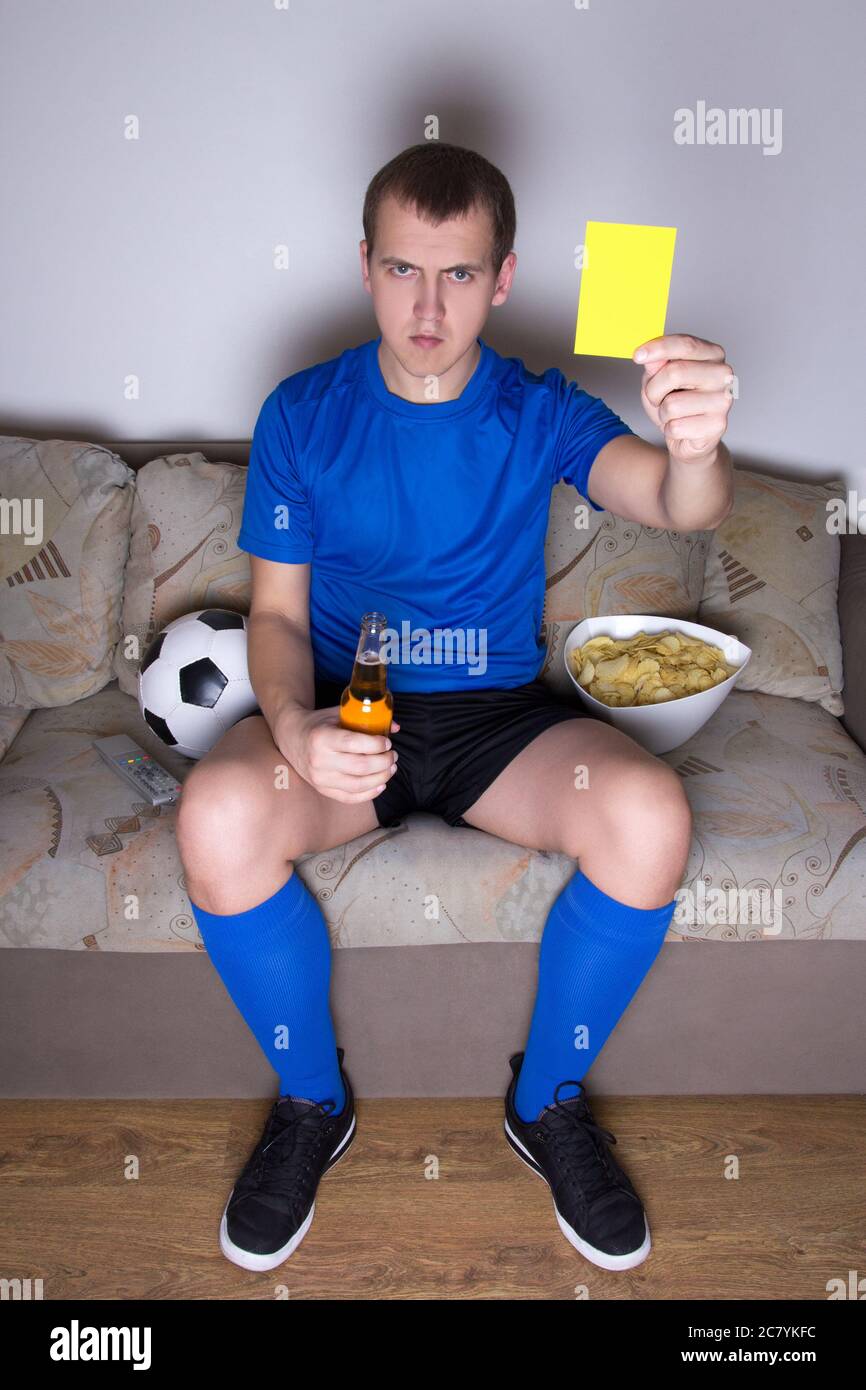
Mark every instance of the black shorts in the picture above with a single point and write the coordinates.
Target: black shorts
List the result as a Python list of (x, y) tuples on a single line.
[(454, 743)]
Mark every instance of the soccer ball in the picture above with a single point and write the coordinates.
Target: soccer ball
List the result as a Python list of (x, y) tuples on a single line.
[(193, 683)]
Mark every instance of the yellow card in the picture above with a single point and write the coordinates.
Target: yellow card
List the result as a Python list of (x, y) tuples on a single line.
[(624, 287)]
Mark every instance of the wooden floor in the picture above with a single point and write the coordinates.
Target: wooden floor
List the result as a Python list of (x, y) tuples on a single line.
[(793, 1219)]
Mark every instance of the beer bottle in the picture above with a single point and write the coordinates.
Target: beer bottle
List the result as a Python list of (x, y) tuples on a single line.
[(367, 704)]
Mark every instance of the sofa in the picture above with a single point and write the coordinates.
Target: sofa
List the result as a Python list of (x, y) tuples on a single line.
[(105, 987)]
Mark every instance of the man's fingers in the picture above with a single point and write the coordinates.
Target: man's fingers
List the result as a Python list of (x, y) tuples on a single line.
[(341, 781), (359, 764), (678, 345), (687, 376), (356, 741), (349, 796), (680, 403), (696, 427)]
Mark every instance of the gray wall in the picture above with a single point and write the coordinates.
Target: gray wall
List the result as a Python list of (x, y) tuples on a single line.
[(261, 125)]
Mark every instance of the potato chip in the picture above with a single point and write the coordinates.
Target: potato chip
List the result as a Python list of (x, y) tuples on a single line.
[(649, 668)]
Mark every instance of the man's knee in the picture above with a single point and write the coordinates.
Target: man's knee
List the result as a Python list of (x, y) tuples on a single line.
[(638, 807), (650, 808), (224, 813)]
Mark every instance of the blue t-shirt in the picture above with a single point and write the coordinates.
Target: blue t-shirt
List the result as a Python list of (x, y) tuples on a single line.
[(433, 514)]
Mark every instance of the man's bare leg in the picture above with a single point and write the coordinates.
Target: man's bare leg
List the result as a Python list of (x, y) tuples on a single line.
[(239, 827), (627, 819)]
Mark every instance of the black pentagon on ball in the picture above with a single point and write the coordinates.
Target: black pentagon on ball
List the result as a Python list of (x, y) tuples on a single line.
[(220, 617), (160, 728), (152, 653), (201, 683)]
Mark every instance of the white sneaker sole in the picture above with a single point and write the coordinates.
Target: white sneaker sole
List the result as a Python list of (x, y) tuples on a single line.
[(589, 1252), (249, 1259)]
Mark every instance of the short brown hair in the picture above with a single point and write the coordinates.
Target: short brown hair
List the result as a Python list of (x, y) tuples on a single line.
[(438, 181)]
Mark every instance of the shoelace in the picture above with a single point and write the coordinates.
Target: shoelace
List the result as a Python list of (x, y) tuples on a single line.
[(284, 1157), (579, 1143)]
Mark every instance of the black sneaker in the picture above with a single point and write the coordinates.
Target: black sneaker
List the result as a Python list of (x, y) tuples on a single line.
[(271, 1205), (596, 1206)]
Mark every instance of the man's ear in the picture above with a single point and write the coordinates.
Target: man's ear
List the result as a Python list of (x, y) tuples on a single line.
[(505, 278), (365, 272)]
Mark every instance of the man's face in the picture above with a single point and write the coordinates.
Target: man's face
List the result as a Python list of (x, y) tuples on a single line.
[(432, 281)]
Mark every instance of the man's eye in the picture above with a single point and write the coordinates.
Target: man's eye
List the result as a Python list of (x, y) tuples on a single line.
[(458, 271)]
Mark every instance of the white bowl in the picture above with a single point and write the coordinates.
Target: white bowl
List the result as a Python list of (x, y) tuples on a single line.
[(664, 726)]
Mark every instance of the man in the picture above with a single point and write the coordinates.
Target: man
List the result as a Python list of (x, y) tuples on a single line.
[(412, 475)]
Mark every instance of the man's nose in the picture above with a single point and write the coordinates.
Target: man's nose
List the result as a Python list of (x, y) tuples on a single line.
[(428, 305)]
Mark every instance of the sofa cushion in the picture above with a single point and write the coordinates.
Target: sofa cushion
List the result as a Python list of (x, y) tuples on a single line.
[(772, 580), (12, 718), (183, 552), (608, 566), (63, 569), (777, 789)]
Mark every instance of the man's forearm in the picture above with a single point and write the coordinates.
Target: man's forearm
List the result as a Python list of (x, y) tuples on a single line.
[(698, 496), (280, 662)]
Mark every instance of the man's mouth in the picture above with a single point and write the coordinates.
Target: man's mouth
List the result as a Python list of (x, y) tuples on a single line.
[(425, 339)]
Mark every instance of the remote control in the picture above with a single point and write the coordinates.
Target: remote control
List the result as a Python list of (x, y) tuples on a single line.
[(138, 768)]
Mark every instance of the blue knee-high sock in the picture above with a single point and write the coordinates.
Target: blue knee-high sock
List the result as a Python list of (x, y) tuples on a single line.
[(275, 961), (594, 953)]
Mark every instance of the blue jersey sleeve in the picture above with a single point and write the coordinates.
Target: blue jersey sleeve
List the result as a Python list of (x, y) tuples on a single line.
[(277, 519), (583, 424)]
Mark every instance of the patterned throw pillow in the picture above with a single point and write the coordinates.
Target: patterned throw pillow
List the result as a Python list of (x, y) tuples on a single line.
[(68, 506), (772, 580), (612, 566), (183, 552)]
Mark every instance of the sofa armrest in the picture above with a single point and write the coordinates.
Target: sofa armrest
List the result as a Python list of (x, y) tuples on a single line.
[(852, 626)]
